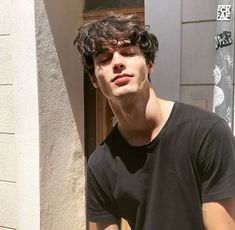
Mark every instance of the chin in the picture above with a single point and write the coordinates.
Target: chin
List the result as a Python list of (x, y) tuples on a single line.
[(125, 92)]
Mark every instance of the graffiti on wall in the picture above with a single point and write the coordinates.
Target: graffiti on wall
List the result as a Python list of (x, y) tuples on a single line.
[(223, 71)]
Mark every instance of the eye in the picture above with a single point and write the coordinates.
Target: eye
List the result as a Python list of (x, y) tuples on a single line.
[(104, 58), (128, 51)]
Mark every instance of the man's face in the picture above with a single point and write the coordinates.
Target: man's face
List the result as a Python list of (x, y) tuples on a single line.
[(121, 70)]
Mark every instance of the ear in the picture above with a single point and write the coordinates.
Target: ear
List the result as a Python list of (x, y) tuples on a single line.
[(94, 81), (150, 67)]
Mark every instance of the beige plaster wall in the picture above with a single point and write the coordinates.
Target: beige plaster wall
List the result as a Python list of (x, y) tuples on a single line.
[(23, 51), (8, 210), (60, 79)]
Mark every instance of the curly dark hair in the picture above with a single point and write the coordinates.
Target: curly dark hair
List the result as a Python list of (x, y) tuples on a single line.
[(94, 37)]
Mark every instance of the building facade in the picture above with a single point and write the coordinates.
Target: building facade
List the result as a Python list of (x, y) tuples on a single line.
[(51, 118)]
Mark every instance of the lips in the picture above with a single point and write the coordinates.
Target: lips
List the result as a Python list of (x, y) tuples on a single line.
[(121, 76)]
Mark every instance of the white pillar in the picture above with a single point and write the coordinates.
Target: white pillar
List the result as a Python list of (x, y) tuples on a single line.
[(26, 114)]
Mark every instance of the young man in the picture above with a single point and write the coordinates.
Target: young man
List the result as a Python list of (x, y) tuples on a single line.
[(165, 165)]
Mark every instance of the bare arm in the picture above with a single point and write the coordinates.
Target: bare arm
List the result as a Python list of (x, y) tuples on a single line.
[(96, 226), (219, 215)]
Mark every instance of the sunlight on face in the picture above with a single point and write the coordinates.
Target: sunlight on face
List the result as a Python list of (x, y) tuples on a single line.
[(125, 49)]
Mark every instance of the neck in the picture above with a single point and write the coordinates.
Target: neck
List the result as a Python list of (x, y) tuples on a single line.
[(142, 117)]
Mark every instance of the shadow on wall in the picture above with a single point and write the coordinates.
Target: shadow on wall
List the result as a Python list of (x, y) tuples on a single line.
[(61, 114), (64, 19)]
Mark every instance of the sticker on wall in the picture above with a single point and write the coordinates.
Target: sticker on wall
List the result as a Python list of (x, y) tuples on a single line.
[(217, 74), (219, 96), (224, 12), (223, 39), (229, 59), (229, 81), (229, 116)]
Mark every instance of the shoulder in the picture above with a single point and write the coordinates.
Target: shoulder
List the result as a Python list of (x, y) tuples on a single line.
[(100, 159), (196, 117), (192, 111), (104, 158), (192, 126), (212, 145)]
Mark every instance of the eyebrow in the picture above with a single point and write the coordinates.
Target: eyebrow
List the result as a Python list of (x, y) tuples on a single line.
[(106, 49), (123, 45)]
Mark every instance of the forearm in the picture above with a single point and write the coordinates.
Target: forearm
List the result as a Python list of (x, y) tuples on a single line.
[(219, 215)]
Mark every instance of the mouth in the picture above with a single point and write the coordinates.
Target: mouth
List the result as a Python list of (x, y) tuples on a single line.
[(120, 77)]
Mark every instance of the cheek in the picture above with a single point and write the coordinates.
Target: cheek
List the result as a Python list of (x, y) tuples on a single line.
[(100, 72), (101, 79), (97, 70), (141, 64), (144, 70)]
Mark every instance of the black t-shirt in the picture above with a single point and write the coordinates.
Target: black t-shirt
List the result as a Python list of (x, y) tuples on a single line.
[(163, 184)]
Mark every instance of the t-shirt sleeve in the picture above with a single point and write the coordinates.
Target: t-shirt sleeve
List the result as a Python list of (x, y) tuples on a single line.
[(100, 204), (217, 163)]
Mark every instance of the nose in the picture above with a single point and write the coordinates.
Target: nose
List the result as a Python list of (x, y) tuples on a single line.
[(118, 62)]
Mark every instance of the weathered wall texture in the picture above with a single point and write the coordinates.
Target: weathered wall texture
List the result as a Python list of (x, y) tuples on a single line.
[(61, 118)]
